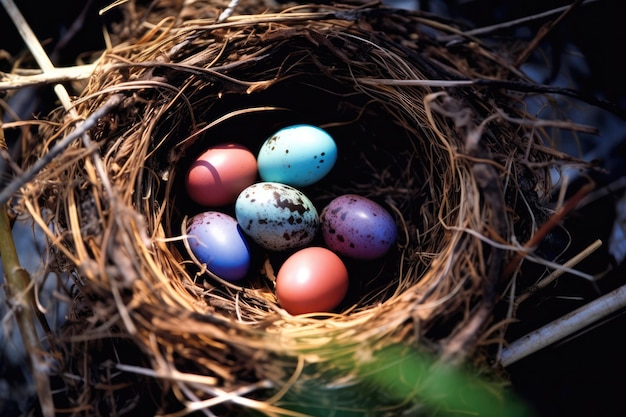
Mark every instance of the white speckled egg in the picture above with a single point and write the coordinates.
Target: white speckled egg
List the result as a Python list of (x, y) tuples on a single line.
[(276, 216), (298, 155)]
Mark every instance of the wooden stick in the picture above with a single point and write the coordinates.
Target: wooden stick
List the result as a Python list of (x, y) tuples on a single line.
[(56, 75), (564, 326), (46, 65), (19, 285), (35, 48), (19, 292), (557, 273), (552, 222), (543, 32), (19, 181), (514, 23), (228, 11)]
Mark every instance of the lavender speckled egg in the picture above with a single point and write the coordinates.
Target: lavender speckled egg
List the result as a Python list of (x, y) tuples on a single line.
[(276, 216), (358, 227), (217, 241)]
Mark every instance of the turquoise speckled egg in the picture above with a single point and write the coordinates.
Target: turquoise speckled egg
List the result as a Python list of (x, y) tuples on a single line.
[(297, 155), (276, 216)]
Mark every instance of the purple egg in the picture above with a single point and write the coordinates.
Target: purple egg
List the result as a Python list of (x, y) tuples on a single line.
[(358, 227), (216, 240)]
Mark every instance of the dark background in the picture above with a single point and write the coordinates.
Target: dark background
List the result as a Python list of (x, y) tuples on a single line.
[(583, 375)]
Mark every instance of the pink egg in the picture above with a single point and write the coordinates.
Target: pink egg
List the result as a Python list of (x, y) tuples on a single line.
[(358, 227), (313, 279), (217, 176)]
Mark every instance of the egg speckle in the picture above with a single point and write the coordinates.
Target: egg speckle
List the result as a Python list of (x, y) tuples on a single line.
[(276, 216), (216, 240), (358, 227), (297, 155), (313, 279)]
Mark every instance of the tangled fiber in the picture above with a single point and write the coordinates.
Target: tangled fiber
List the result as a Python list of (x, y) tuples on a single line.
[(429, 122)]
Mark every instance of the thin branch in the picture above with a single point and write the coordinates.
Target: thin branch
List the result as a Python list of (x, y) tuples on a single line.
[(228, 11), (552, 222), (558, 272), (526, 87), (19, 289), (513, 23), (20, 294), (80, 130), (564, 326), (543, 32), (53, 76), (35, 48), (521, 86), (415, 83)]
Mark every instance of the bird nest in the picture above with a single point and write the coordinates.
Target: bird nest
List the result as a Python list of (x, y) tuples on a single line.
[(430, 123)]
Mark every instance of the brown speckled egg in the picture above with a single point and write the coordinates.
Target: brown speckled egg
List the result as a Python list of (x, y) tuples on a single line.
[(276, 216)]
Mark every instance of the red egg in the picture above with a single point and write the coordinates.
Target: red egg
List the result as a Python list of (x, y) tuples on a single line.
[(313, 279), (217, 176)]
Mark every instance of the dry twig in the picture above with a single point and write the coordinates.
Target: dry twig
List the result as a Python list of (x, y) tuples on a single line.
[(564, 326), (53, 76), (20, 294)]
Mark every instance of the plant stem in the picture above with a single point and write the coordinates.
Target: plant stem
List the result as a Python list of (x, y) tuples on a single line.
[(550, 224), (564, 326), (35, 47), (76, 73), (557, 273), (21, 298)]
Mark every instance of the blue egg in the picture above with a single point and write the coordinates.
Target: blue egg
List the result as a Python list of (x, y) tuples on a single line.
[(276, 216), (216, 240), (297, 155)]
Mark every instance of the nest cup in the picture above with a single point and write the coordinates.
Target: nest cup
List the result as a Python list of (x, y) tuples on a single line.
[(448, 158)]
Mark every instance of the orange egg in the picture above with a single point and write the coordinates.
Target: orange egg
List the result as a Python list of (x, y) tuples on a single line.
[(313, 279), (217, 176)]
